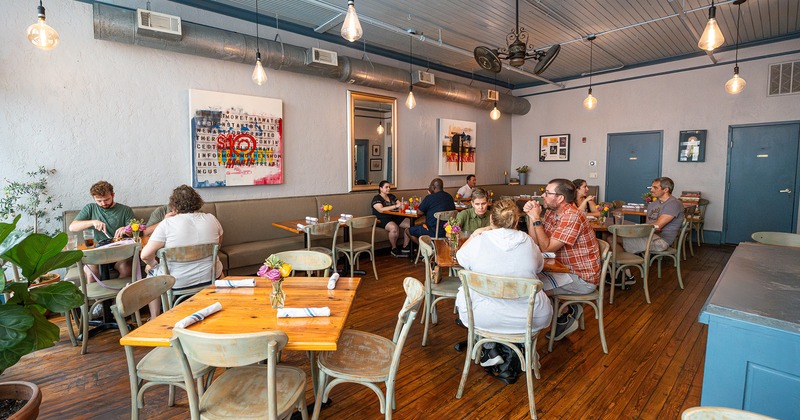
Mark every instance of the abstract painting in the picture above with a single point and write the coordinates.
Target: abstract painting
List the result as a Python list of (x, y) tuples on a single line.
[(457, 145)]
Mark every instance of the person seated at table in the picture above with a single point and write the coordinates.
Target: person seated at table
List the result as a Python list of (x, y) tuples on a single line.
[(475, 217), (188, 227), (108, 219), (158, 215), (500, 249), (565, 231), (665, 212), (466, 191), (585, 203), (386, 201), (437, 200)]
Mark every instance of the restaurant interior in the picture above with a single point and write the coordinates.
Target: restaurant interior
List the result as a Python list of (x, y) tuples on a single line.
[(610, 92)]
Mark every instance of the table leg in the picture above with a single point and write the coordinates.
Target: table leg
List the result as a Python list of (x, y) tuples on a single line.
[(312, 359)]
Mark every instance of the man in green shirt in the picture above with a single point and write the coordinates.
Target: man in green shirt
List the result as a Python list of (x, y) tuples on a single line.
[(107, 218), (157, 216), (476, 217)]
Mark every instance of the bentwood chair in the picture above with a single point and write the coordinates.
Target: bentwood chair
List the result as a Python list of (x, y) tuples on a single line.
[(618, 203), (673, 252), (160, 366), (689, 217), (243, 391), (184, 255), (720, 413), (442, 217), (620, 260), (328, 230), (594, 299), (777, 238), (352, 249), (501, 287), (368, 359), (437, 287), (699, 221), (307, 261), (96, 292)]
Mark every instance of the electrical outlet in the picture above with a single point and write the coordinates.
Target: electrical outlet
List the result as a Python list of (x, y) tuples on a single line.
[(592, 175)]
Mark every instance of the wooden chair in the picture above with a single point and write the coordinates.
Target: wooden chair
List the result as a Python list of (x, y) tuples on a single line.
[(777, 238), (594, 299), (242, 391), (720, 413), (160, 366), (673, 252), (95, 293), (188, 254), (368, 359), (618, 203), (501, 287), (307, 261), (327, 230), (352, 249), (445, 287), (441, 218), (689, 216), (699, 221), (621, 259)]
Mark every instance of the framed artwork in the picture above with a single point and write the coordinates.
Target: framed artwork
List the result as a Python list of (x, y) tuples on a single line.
[(554, 148), (456, 147), (692, 146), (376, 165), (236, 139), (376, 150)]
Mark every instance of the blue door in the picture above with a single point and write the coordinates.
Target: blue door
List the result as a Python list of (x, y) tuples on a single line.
[(362, 177), (761, 180), (633, 161)]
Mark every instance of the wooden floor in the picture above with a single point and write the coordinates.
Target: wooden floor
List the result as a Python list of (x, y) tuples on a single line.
[(654, 368)]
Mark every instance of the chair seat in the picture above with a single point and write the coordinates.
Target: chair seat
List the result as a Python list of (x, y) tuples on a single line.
[(668, 251), (241, 393), (494, 336), (576, 298), (447, 286), (326, 251), (628, 258), (361, 357), (94, 291), (162, 364), (357, 246)]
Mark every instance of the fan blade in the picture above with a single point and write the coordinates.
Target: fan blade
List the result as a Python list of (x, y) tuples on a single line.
[(487, 59), (547, 59)]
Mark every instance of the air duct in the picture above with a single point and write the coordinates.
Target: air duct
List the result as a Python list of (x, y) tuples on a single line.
[(117, 24)]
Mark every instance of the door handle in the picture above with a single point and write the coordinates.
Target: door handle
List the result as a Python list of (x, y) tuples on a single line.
[(786, 190)]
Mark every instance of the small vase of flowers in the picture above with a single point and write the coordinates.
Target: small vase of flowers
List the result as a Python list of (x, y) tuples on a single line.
[(326, 212), (603, 212), (135, 228), (276, 271), (648, 198), (453, 230)]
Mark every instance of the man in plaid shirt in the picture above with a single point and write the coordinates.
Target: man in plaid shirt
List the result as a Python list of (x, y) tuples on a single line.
[(565, 231)]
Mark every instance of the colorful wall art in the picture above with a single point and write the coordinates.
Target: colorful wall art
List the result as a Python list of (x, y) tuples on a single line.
[(457, 145)]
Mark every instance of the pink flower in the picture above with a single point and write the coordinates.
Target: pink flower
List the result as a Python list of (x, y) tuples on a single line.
[(262, 272), (274, 274), (128, 229), (456, 229), (142, 227)]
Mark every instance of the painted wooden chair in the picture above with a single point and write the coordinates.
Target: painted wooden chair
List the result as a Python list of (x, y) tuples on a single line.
[(160, 366), (368, 359), (436, 289), (777, 238), (689, 216), (308, 261), (594, 299), (269, 391), (673, 252), (720, 413), (699, 221), (442, 217), (620, 260), (188, 254), (329, 230), (501, 287), (96, 292), (352, 249)]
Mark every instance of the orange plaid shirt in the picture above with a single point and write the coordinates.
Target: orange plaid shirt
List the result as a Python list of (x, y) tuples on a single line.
[(580, 252)]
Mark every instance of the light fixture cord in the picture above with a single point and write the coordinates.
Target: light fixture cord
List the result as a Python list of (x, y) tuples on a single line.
[(410, 58), (257, 50), (591, 59), (738, 18), (517, 21)]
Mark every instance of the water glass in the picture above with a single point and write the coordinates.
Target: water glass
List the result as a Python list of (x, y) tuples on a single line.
[(88, 238), (72, 241), (619, 218)]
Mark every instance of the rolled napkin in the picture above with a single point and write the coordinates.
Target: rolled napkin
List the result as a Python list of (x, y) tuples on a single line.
[(303, 312), (332, 282), (342, 219), (235, 283), (300, 226), (199, 315), (311, 219)]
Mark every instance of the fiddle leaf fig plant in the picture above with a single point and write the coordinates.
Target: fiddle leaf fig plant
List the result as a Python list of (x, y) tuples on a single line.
[(23, 326)]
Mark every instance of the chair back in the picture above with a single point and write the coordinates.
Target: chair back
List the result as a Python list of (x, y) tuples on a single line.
[(307, 260), (687, 223), (361, 223), (108, 255), (777, 238), (190, 253), (605, 256), (702, 204), (415, 295), (137, 295), (327, 229), (618, 203), (428, 254), (443, 215), (632, 231)]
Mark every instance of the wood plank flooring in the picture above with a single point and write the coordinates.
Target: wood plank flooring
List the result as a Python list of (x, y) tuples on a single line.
[(654, 368)]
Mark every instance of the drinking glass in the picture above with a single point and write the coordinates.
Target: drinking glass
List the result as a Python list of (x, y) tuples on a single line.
[(72, 241), (619, 218), (88, 238)]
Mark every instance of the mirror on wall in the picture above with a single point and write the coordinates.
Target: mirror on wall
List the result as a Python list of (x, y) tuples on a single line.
[(372, 140)]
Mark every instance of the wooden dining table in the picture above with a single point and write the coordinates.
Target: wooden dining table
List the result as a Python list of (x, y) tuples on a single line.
[(444, 258)]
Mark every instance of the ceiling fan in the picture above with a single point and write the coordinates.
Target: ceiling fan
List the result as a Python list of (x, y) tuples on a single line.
[(516, 52)]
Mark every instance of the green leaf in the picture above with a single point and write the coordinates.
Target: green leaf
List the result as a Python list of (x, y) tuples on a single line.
[(44, 332), (6, 228), (10, 356), (20, 292), (58, 297), (15, 321), (39, 253)]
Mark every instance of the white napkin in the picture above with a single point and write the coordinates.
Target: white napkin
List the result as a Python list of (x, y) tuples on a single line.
[(590, 217), (235, 283), (199, 315), (300, 226), (303, 312), (311, 219), (332, 282)]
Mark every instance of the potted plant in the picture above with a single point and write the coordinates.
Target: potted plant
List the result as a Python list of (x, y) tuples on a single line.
[(522, 171), (23, 326)]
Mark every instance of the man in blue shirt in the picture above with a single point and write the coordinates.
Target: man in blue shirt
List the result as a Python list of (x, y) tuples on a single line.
[(437, 200)]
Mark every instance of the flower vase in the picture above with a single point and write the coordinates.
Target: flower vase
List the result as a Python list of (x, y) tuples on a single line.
[(136, 237), (602, 219), (453, 247), (277, 297), (326, 217)]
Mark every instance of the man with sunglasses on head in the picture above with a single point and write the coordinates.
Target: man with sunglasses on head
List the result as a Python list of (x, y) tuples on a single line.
[(565, 231)]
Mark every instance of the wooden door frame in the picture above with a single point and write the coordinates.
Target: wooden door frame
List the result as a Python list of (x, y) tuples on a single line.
[(608, 152)]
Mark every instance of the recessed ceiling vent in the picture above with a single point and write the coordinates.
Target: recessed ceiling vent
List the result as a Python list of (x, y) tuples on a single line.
[(423, 78), (784, 78), (322, 58), (158, 25)]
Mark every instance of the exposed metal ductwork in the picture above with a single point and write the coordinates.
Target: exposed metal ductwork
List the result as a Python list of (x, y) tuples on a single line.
[(112, 23)]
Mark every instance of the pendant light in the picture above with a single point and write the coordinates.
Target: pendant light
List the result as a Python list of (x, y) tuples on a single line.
[(495, 114), (259, 75), (712, 36), (590, 102), (40, 34), (736, 84), (410, 101), (381, 130), (351, 28)]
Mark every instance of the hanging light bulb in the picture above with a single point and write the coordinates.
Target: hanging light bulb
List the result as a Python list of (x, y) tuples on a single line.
[(410, 101), (736, 84), (590, 102), (381, 130), (351, 28), (712, 36), (495, 114), (40, 34), (259, 75)]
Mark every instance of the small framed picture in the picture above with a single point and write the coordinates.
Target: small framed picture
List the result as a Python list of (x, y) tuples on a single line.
[(376, 165), (692, 146), (554, 148), (376, 150)]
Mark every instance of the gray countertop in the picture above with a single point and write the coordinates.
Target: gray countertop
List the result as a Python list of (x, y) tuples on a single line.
[(760, 284)]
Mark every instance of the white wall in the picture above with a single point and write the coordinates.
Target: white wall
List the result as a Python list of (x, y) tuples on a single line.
[(102, 110), (676, 101)]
